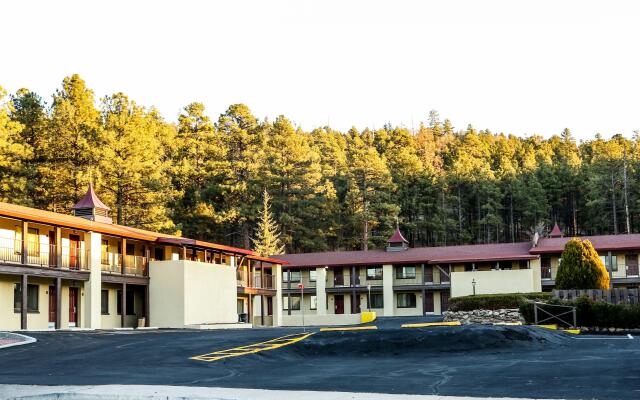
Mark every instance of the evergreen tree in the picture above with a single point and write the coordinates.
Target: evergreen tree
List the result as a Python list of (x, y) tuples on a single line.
[(267, 235), (581, 267), (13, 151)]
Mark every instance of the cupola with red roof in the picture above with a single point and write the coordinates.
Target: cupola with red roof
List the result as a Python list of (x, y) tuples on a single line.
[(556, 232), (397, 242), (90, 207)]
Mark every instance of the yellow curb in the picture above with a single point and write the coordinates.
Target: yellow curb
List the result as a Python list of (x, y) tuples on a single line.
[(367, 316), (572, 331), (354, 328), (551, 326), (450, 323)]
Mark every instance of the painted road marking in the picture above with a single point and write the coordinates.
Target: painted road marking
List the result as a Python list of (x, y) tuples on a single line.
[(352, 328), (427, 324), (253, 348)]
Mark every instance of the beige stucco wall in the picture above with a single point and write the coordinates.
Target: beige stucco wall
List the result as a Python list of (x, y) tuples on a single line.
[(490, 282), (188, 293), (417, 310)]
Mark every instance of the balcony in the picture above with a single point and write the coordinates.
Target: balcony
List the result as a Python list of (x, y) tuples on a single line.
[(135, 265), (44, 255), (255, 280)]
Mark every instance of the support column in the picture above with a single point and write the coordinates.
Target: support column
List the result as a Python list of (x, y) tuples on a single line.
[(146, 306), (123, 250), (92, 298), (610, 256), (424, 289), (387, 289), (262, 285), (58, 303), (276, 270), (123, 304), (58, 247), (25, 244), (321, 290), (23, 307)]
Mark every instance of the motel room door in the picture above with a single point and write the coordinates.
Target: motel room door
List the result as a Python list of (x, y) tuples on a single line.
[(338, 277), (73, 306), (632, 264), (53, 305), (428, 302), (74, 246), (338, 304)]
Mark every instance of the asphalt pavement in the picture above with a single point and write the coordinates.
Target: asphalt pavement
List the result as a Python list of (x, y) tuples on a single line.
[(484, 361)]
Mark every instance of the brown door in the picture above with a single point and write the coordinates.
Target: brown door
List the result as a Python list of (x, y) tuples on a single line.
[(632, 264), (53, 304), (52, 249), (357, 304), (74, 252), (428, 273), (338, 277), (428, 302), (339, 304), (444, 301), (269, 305), (73, 306)]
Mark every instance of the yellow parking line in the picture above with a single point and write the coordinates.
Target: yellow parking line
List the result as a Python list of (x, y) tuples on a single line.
[(550, 326), (572, 331), (351, 328), (426, 324), (253, 348)]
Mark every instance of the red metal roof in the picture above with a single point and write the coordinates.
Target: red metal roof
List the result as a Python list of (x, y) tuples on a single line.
[(90, 200), (397, 237), (601, 243), (555, 232), (431, 255)]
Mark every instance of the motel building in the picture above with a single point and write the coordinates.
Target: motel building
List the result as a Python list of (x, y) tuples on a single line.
[(82, 271), (404, 281)]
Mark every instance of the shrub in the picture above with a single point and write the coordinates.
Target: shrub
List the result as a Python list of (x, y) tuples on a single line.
[(581, 267), (591, 313), (493, 301)]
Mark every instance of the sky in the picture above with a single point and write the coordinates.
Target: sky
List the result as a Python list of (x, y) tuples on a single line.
[(520, 67)]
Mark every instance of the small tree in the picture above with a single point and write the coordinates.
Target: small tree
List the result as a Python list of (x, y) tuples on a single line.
[(267, 241), (581, 267)]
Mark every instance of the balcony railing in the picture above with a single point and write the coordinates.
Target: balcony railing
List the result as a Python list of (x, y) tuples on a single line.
[(545, 272), (258, 281), (44, 255), (136, 265), (407, 280)]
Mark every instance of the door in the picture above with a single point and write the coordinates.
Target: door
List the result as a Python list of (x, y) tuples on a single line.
[(357, 304), (428, 273), (53, 304), (428, 302), (269, 306), (632, 264), (444, 301), (52, 249), (73, 306), (338, 277), (338, 304), (74, 252)]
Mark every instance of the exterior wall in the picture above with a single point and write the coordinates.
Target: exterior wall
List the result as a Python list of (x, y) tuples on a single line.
[(387, 290), (399, 311), (112, 319), (321, 277), (490, 282), (537, 274), (167, 294), (92, 317)]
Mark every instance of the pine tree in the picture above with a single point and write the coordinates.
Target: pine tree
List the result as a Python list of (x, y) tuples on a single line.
[(13, 151), (581, 267), (267, 236)]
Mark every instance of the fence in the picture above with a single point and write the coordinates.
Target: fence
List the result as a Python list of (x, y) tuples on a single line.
[(612, 296)]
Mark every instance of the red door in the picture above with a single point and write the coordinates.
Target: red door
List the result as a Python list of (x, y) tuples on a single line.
[(339, 304), (53, 304), (428, 273), (338, 277), (428, 302), (444, 301), (74, 252), (73, 306), (632, 264), (357, 304)]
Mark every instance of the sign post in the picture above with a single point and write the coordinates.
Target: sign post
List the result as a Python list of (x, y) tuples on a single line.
[(301, 287), (369, 299)]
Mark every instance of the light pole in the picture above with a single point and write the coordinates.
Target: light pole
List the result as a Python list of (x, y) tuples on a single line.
[(369, 299), (473, 282)]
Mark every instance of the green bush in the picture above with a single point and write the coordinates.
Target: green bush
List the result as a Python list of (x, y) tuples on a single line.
[(493, 301), (581, 267), (590, 313)]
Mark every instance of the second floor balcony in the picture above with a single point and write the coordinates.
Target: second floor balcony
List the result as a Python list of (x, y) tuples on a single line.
[(71, 257), (115, 263), (255, 280)]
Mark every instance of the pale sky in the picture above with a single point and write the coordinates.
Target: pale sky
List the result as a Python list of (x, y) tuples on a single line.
[(512, 66)]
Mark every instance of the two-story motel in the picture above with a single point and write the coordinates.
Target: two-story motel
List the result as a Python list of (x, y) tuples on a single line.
[(83, 271), (403, 281)]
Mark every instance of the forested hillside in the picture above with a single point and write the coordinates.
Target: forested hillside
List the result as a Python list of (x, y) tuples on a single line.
[(204, 176)]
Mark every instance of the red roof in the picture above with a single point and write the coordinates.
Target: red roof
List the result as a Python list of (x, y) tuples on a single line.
[(397, 237), (430, 255), (601, 243), (555, 232), (90, 200)]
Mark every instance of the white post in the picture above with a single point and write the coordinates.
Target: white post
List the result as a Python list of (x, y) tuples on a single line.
[(321, 292), (92, 287), (277, 306), (387, 289)]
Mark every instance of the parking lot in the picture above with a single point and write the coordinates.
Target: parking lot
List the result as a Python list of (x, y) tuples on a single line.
[(499, 361)]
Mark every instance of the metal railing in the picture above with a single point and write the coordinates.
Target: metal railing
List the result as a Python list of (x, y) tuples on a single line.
[(44, 255), (258, 281), (341, 280), (136, 265), (111, 262), (408, 280)]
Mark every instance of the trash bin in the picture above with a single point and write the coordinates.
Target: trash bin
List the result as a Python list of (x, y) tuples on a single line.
[(141, 322)]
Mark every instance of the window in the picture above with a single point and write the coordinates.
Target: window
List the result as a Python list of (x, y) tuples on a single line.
[(33, 242), (406, 272), (377, 300), (158, 253), (314, 303), (523, 264), (312, 275), (505, 265), (406, 300), (374, 273), (295, 276), (295, 303), (32, 297), (605, 261), (104, 303)]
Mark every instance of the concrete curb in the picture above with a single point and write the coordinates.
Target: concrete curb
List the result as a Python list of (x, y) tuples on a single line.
[(24, 339)]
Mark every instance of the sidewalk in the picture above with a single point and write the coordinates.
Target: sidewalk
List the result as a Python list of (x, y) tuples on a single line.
[(137, 392)]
